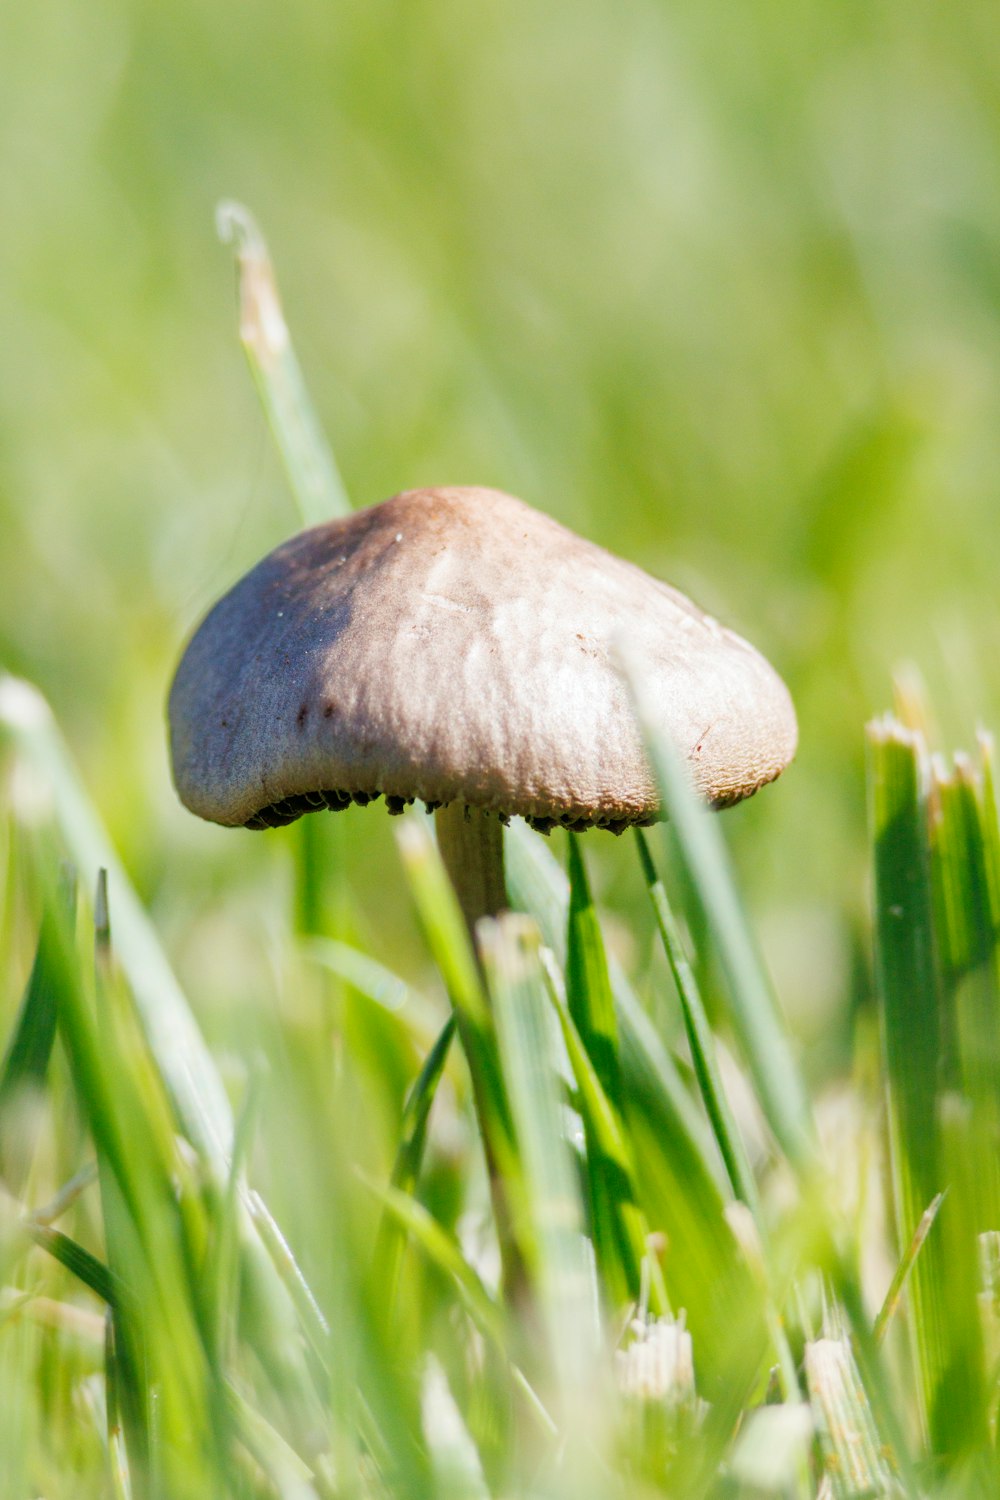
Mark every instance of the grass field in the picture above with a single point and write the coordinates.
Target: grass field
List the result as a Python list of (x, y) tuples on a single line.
[(722, 297)]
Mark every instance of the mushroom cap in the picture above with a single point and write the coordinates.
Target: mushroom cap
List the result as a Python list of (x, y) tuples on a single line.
[(457, 645)]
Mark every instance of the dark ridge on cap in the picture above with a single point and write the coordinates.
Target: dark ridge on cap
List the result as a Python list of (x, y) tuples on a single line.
[(457, 645)]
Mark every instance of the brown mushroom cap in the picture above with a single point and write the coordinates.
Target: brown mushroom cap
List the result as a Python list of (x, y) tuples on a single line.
[(456, 645)]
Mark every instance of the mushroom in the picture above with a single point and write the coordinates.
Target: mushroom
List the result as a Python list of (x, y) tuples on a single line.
[(456, 646)]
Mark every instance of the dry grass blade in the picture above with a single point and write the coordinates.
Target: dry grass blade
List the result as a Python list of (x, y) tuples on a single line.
[(901, 1274), (312, 471), (855, 1460)]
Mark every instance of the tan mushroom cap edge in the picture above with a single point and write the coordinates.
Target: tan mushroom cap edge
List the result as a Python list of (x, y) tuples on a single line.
[(457, 645)]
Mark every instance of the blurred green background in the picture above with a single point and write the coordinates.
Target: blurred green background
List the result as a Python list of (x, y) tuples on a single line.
[(718, 287)]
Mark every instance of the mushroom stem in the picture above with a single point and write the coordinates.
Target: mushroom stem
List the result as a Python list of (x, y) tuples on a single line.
[(471, 845)]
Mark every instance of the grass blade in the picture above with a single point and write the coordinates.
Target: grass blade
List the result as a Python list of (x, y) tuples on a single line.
[(377, 983), (762, 1035), (289, 1474), (87, 1269), (183, 1059), (591, 1007), (681, 1180), (289, 1273), (558, 1262), (177, 1053), (608, 1150), (121, 1478), (588, 988), (457, 1465), (448, 939), (935, 952), (539, 887), (700, 1039), (410, 1153), (309, 463), (444, 1252), (416, 1111), (907, 978), (967, 921), (730, 1143), (25, 1064)]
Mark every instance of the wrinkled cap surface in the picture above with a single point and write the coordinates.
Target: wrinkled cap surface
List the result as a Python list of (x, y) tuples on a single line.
[(455, 644)]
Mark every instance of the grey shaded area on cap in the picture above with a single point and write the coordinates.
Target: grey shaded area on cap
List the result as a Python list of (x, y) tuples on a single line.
[(457, 645)]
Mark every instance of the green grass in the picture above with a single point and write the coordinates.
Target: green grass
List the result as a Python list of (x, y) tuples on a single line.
[(563, 1221)]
